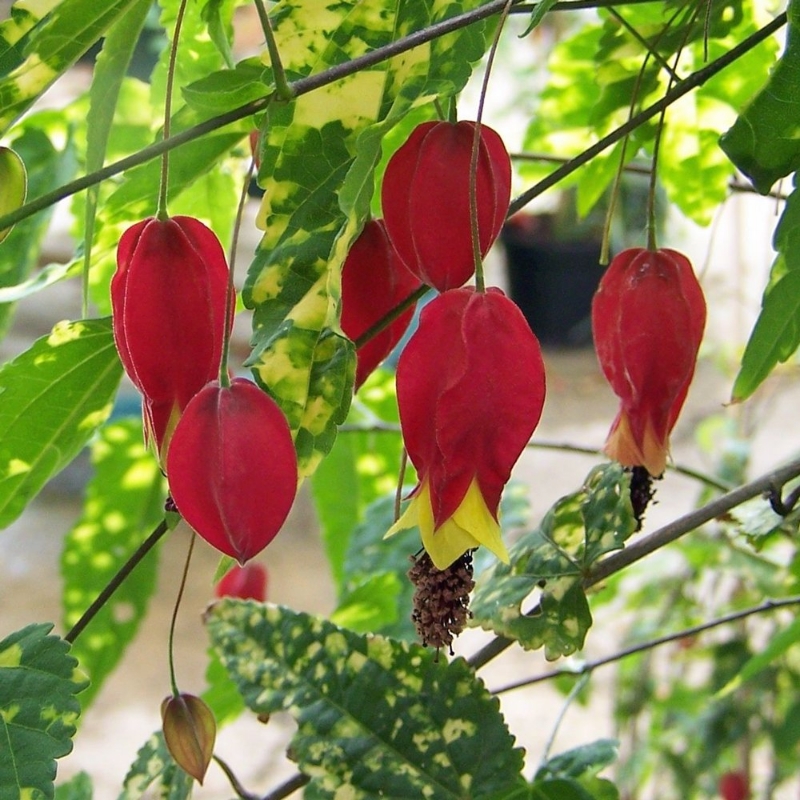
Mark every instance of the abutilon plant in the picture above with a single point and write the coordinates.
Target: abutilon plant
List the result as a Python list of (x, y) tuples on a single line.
[(232, 467), (425, 197), (470, 390), (247, 583), (648, 318), (374, 281), (170, 315)]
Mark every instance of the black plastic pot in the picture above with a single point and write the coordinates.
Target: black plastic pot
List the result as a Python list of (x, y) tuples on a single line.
[(553, 282)]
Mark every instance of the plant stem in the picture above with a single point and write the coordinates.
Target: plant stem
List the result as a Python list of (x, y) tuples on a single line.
[(233, 780), (570, 699), (388, 318), (144, 548), (282, 86), (618, 561), (477, 256), (173, 621), (590, 666), (312, 82), (161, 211), (289, 786), (687, 85), (230, 293)]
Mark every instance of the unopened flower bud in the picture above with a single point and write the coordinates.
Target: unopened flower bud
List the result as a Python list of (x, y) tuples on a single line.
[(189, 731)]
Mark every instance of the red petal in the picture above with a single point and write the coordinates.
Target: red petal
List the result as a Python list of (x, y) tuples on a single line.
[(247, 583), (648, 318), (168, 298), (471, 387), (374, 281), (232, 468), (425, 198)]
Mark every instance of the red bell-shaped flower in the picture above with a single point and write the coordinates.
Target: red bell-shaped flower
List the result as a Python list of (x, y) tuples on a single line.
[(168, 301), (232, 467), (247, 583), (425, 199), (374, 281), (470, 388), (648, 317)]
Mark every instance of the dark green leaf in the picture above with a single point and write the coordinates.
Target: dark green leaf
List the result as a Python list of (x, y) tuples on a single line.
[(154, 767), (53, 398), (221, 694), (559, 789), (374, 716), (124, 502), (549, 563), (38, 709), (763, 143)]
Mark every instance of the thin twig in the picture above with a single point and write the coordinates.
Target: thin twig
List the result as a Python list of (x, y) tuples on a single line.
[(288, 787), (374, 57), (618, 561), (590, 666), (233, 780), (144, 548)]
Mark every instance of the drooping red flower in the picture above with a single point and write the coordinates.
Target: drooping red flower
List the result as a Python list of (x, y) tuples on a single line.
[(425, 199), (168, 302), (648, 317), (232, 467), (734, 786), (247, 583), (470, 389), (374, 281)]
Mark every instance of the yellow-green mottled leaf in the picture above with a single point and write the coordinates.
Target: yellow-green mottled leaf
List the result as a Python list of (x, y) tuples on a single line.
[(155, 769), (317, 162), (50, 46), (370, 712), (38, 710), (53, 397), (553, 560), (124, 502)]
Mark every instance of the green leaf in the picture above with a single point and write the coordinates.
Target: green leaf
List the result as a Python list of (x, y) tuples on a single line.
[(310, 147), (361, 467), (38, 709), (778, 646), (109, 72), (776, 334), (587, 759), (155, 767), (52, 45), (221, 694), (551, 561), (559, 789), (53, 398), (371, 605), (227, 89), (124, 502), (370, 712), (78, 787), (48, 167), (763, 142)]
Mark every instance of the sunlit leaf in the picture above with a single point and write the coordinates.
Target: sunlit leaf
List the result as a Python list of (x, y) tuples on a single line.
[(52, 45), (79, 787), (549, 563), (370, 712), (53, 398), (763, 143), (38, 709), (124, 502)]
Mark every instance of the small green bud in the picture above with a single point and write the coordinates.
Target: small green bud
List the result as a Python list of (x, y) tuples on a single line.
[(13, 184), (189, 731)]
